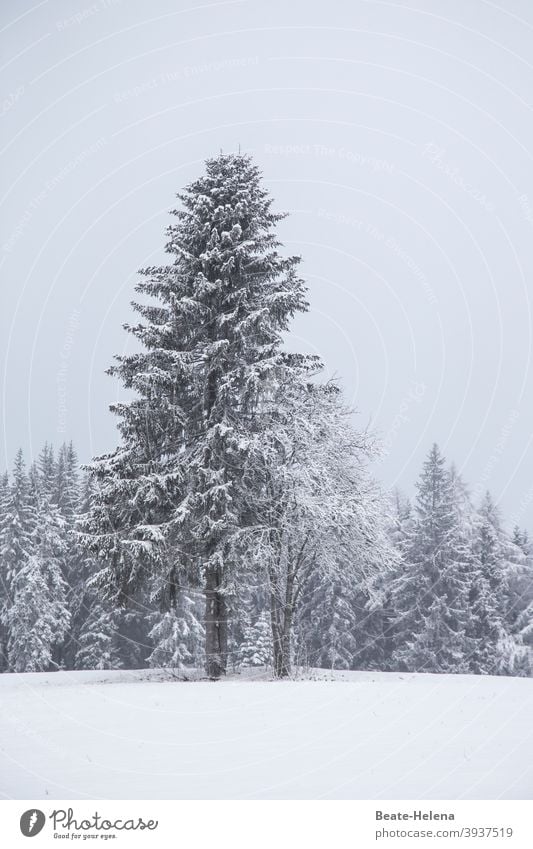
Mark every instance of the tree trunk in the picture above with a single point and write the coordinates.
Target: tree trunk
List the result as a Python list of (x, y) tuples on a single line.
[(216, 625), (277, 648), (281, 640), (285, 659), (4, 665), (216, 611), (282, 657)]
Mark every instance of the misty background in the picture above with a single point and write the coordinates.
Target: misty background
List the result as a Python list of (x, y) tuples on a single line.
[(397, 136)]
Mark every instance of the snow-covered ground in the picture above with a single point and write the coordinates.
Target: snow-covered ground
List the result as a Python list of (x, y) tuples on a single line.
[(344, 735)]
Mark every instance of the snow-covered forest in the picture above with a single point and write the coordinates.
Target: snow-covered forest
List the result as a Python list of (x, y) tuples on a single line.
[(238, 522), (456, 593)]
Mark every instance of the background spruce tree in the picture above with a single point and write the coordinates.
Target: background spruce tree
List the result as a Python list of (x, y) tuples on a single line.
[(518, 604), (523, 619), (327, 622), (70, 495), (389, 617), (519, 579), (98, 643), (487, 593), (17, 540), (256, 646), (173, 614), (38, 616), (19, 520), (431, 598)]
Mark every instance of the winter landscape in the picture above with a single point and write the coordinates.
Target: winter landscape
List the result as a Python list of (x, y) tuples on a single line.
[(232, 596), (237, 527)]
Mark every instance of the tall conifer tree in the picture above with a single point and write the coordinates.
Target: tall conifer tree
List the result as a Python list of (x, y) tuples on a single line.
[(170, 496)]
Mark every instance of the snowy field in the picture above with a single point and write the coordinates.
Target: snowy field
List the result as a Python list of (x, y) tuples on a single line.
[(348, 735)]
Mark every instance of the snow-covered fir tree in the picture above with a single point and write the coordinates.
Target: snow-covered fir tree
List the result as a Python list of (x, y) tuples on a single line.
[(525, 633), (517, 652), (71, 497), (256, 646), (98, 644), (176, 632), (19, 521), (401, 522), (523, 609), (66, 485), (45, 472), (210, 342), (519, 579), (30, 628), (249, 601), (384, 624), (487, 593), (177, 636), (431, 599), (38, 616), (17, 539), (327, 622)]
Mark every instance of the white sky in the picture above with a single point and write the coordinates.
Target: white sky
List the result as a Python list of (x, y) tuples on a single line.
[(398, 135)]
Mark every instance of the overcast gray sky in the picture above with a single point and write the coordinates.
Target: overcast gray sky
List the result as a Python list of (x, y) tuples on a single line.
[(398, 136)]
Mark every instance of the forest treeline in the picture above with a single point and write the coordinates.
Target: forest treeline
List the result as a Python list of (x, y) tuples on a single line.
[(456, 593)]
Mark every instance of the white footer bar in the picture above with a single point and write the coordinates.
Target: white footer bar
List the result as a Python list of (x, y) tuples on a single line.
[(262, 824)]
